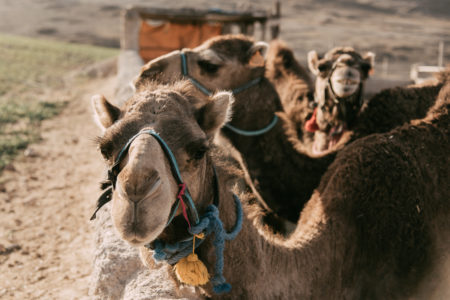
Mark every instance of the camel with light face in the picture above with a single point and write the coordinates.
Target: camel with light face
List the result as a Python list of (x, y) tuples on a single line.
[(377, 227), (284, 175), (283, 169), (339, 92)]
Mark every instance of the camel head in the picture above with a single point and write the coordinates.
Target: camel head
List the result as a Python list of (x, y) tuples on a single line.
[(145, 187), (340, 79), (221, 63)]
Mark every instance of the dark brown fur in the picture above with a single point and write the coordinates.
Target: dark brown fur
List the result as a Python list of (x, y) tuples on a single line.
[(377, 227), (294, 86), (282, 171), (393, 107)]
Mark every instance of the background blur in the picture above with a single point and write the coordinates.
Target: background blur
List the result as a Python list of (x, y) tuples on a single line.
[(400, 32), (55, 54)]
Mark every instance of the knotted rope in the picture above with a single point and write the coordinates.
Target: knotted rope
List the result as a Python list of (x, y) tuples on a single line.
[(209, 223)]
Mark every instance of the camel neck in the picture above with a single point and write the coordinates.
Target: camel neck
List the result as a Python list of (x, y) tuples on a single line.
[(271, 158), (257, 256)]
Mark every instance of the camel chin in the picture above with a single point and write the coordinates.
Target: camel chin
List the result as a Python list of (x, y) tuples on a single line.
[(137, 221)]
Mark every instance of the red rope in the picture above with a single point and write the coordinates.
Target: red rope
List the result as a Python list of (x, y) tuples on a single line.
[(183, 206), (311, 124)]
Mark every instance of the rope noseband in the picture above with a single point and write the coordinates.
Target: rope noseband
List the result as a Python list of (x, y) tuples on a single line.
[(235, 91)]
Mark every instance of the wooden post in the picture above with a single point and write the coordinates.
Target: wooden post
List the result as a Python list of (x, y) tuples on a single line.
[(441, 54), (130, 27), (275, 26)]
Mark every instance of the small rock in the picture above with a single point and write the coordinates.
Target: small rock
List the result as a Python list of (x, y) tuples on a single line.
[(10, 167), (7, 250), (30, 152), (30, 200)]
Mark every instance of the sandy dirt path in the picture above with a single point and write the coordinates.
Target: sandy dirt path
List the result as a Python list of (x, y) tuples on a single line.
[(46, 199)]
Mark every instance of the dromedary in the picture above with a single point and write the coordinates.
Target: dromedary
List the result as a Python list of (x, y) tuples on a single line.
[(280, 165), (230, 62), (339, 87), (294, 86), (377, 227)]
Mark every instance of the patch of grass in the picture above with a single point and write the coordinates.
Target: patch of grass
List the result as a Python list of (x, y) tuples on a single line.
[(28, 63), (29, 68)]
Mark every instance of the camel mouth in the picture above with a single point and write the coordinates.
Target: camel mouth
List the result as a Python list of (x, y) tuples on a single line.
[(347, 81), (334, 136), (137, 242), (345, 87)]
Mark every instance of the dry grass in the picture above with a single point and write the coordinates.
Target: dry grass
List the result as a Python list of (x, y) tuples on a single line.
[(31, 70)]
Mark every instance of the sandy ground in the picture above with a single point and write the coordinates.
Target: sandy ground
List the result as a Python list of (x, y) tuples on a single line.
[(46, 200)]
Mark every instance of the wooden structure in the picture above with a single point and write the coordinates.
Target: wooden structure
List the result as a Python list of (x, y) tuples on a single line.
[(153, 32)]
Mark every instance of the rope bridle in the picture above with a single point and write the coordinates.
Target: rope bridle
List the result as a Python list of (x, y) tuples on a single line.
[(336, 99), (204, 90), (208, 223), (341, 102), (183, 196)]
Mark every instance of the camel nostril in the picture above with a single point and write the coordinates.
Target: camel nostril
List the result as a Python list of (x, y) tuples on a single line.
[(140, 187)]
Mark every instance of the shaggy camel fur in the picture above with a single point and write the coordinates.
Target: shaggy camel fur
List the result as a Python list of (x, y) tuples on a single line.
[(377, 227), (293, 84), (281, 167), (284, 176)]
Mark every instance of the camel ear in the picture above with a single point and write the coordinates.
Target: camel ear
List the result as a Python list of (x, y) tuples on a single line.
[(213, 115), (313, 62), (105, 114), (257, 54), (369, 62)]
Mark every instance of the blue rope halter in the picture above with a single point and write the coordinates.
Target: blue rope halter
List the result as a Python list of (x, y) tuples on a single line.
[(208, 223), (235, 91)]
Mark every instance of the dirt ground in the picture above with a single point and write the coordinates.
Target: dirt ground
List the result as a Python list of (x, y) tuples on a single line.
[(46, 197)]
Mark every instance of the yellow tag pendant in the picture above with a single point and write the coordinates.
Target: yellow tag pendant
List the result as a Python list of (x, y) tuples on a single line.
[(191, 270)]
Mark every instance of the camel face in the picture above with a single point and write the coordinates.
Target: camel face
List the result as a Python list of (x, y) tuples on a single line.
[(341, 74), (146, 189), (221, 63)]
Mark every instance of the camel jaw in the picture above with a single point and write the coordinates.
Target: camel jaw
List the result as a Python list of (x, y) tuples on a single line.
[(327, 141)]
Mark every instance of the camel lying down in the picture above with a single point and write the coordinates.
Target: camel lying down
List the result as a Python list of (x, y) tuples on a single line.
[(377, 227)]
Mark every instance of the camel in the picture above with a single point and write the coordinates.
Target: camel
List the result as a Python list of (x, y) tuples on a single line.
[(274, 164), (377, 227), (294, 86), (339, 93), (282, 168)]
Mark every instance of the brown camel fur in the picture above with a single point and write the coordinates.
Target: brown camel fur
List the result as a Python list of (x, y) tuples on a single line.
[(283, 170), (275, 166), (339, 92), (293, 84), (377, 227)]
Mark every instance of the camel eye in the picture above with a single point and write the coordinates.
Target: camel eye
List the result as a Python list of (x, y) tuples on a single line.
[(200, 153), (197, 150), (207, 66)]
